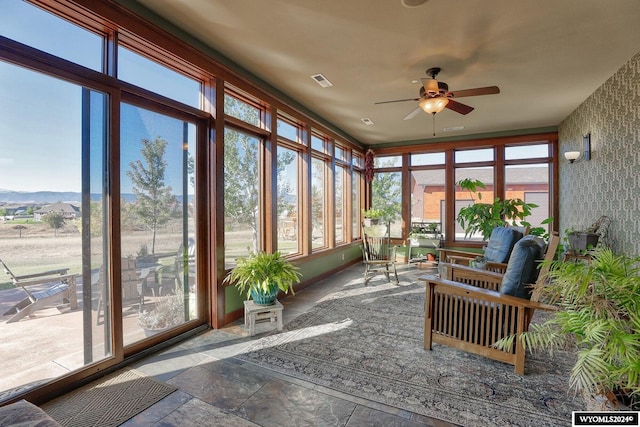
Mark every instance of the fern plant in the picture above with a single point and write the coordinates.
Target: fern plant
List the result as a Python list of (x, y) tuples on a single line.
[(263, 273), (598, 315)]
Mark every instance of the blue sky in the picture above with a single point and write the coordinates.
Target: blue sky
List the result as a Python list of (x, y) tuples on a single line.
[(40, 116)]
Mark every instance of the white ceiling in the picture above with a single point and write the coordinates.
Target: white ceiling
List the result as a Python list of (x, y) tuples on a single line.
[(547, 56)]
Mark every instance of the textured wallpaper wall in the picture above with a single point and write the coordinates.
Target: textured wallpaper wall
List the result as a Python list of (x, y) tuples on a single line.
[(609, 184)]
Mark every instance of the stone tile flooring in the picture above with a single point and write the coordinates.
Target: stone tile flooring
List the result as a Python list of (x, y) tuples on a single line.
[(216, 390)]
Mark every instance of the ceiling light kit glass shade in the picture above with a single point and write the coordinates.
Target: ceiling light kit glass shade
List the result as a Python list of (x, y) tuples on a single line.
[(412, 3), (577, 156), (434, 105)]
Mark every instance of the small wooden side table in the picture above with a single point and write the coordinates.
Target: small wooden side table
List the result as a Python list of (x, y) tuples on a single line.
[(254, 313)]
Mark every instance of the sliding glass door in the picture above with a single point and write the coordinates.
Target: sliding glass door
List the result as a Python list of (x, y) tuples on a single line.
[(157, 222), (53, 235)]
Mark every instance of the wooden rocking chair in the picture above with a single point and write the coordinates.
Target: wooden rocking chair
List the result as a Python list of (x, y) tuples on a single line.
[(377, 253)]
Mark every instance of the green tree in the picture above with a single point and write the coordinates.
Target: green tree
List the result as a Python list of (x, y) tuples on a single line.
[(241, 182), (155, 204), (55, 221), (386, 193), (285, 158)]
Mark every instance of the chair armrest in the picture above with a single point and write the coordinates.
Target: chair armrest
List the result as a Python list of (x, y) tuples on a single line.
[(497, 267), (50, 279), (456, 288), (460, 260), (60, 271), (445, 253)]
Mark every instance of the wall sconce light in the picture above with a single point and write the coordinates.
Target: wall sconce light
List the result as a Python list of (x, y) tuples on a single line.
[(577, 156)]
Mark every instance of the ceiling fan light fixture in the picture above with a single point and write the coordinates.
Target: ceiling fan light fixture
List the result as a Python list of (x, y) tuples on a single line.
[(434, 105), (431, 86)]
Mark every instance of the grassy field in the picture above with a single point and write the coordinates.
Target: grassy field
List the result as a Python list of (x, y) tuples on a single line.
[(37, 247), (41, 248)]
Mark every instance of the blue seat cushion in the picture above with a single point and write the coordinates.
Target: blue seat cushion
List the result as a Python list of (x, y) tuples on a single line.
[(522, 269), (501, 244)]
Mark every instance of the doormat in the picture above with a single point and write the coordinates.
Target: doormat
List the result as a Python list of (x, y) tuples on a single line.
[(109, 401)]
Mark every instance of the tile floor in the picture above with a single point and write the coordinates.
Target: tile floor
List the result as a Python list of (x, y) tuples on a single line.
[(216, 390)]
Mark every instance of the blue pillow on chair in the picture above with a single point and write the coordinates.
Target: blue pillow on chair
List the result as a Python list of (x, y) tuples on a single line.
[(522, 269), (501, 244)]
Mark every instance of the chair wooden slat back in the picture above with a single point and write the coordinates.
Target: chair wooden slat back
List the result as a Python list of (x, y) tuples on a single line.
[(466, 310)]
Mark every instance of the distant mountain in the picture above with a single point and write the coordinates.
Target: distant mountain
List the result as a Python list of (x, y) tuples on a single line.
[(44, 197)]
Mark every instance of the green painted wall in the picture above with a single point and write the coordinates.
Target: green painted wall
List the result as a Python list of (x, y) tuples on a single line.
[(310, 269)]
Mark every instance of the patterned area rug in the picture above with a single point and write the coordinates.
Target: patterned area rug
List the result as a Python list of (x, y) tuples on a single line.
[(109, 401), (368, 342)]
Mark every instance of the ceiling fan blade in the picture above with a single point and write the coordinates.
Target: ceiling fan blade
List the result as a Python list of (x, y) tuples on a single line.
[(489, 90), (397, 100), (459, 107), (412, 114)]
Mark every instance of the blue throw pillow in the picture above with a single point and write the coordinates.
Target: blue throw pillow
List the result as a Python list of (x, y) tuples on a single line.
[(522, 269), (501, 244)]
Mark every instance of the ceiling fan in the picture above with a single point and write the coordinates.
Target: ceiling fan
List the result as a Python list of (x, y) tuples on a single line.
[(435, 96)]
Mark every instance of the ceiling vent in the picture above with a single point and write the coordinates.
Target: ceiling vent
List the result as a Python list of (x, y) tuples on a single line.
[(367, 121), (322, 80)]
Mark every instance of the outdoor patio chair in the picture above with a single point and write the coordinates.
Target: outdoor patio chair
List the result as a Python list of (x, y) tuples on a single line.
[(378, 255), (185, 263), (41, 289), (471, 309), (496, 253), (131, 277)]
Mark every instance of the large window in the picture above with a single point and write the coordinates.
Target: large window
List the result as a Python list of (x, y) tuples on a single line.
[(531, 184), (386, 195), (157, 222), (428, 195), (144, 72), (242, 203), (113, 198), (318, 203), (466, 198), (52, 217), (288, 201), (340, 203), (19, 19)]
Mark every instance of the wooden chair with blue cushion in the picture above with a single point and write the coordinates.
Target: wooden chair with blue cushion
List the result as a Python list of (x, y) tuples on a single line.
[(496, 253), (471, 309)]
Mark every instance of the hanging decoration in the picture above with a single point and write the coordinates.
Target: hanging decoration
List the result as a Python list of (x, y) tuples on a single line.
[(368, 165)]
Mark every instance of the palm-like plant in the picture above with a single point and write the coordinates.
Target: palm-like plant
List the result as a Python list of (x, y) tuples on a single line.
[(482, 218), (599, 315)]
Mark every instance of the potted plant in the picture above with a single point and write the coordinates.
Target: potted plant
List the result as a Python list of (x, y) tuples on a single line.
[(373, 215), (581, 241), (262, 275), (484, 217), (598, 315), (166, 313), (479, 262)]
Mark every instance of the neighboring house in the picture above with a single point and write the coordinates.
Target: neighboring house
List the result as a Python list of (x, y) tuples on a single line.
[(67, 210)]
